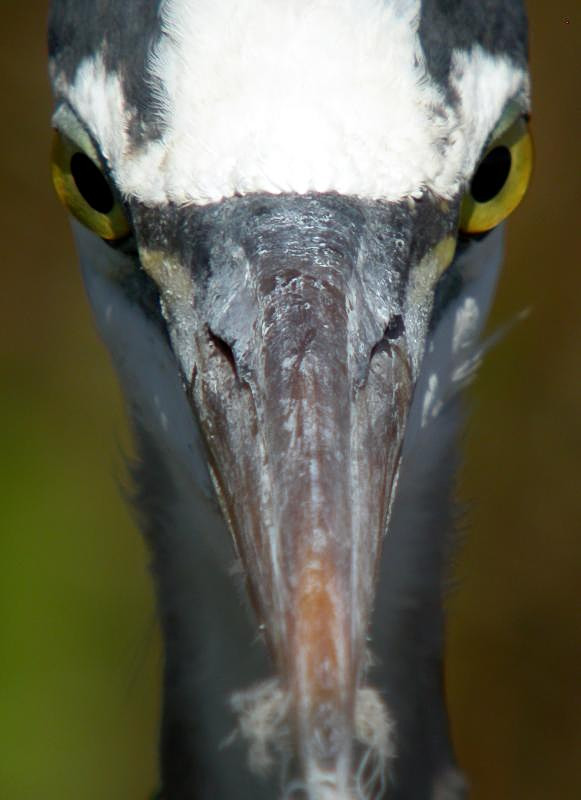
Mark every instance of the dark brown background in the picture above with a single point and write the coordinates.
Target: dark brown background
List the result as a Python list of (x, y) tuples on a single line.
[(79, 654)]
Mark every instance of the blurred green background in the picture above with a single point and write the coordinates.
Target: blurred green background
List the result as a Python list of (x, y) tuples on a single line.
[(79, 649)]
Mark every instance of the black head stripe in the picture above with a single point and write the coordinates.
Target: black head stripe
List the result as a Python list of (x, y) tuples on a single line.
[(498, 26), (123, 32)]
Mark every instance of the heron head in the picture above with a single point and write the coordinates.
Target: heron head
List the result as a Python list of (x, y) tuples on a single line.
[(289, 185)]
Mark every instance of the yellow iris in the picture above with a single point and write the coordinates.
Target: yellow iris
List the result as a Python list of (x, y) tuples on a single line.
[(500, 181), (83, 188)]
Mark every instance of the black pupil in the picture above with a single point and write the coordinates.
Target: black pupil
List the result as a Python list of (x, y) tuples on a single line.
[(91, 183), (491, 175)]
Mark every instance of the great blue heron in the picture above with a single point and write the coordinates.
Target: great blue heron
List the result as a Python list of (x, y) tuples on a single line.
[(289, 221)]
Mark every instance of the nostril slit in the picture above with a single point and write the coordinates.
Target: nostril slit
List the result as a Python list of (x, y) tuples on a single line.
[(395, 327), (224, 349)]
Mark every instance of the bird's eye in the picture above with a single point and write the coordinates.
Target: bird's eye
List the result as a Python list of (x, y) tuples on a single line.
[(500, 181), (83, 188)]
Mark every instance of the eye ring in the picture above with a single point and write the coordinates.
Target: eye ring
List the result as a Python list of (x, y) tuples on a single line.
[(84, 189), (500, 180)]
